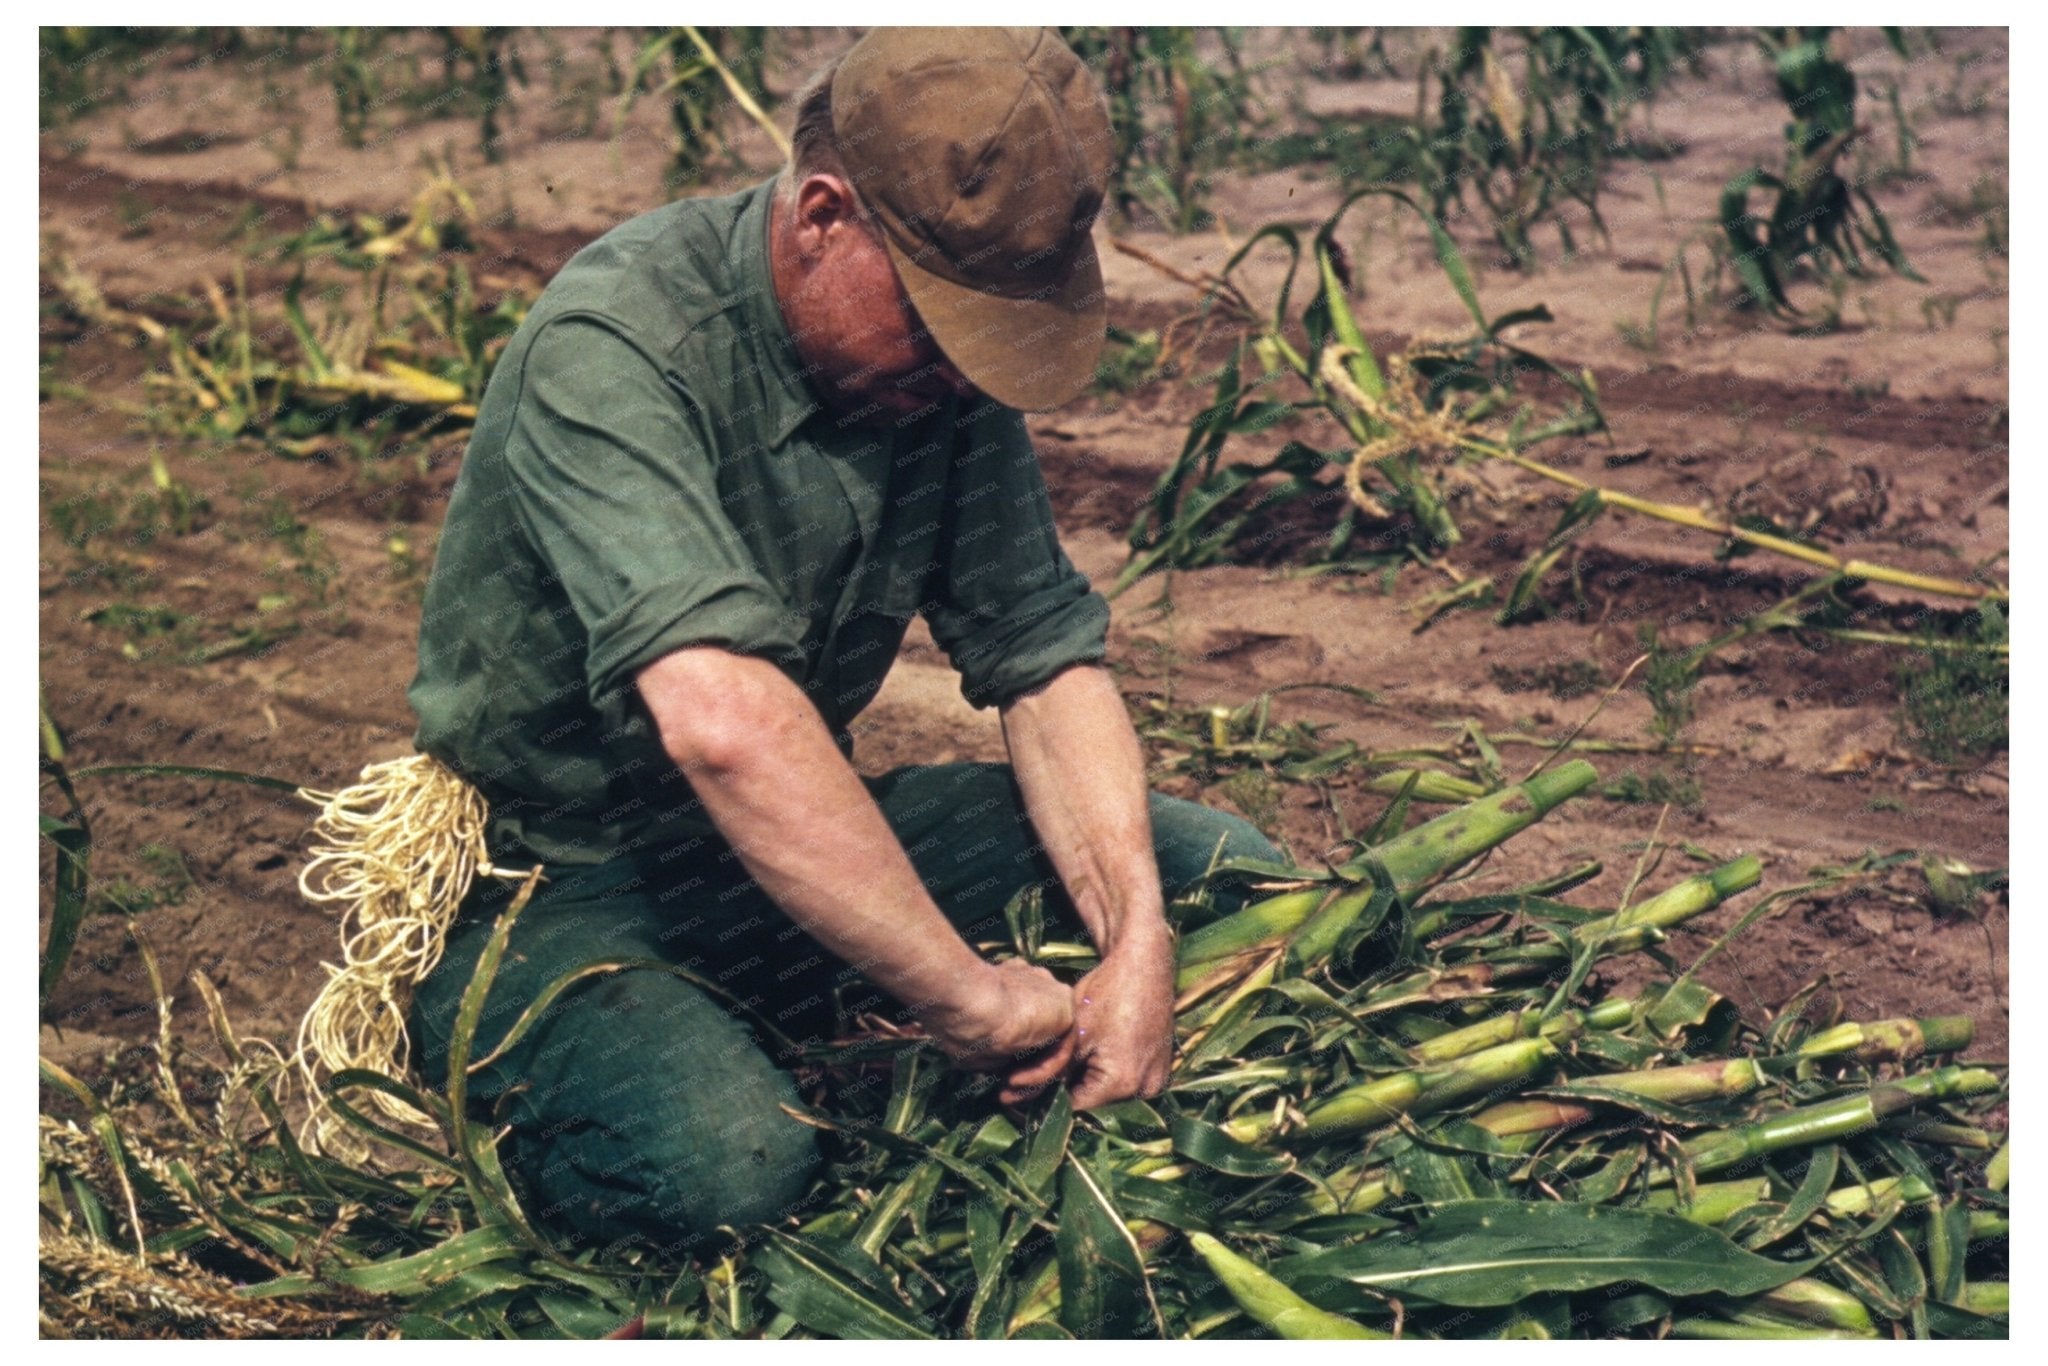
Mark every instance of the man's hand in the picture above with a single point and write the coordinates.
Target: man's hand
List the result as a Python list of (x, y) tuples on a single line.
[(1083, 778), (1122, 1041), (1020, 1010), (760, 758)]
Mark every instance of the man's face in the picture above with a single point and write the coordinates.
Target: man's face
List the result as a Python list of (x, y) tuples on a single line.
[(867, 355)]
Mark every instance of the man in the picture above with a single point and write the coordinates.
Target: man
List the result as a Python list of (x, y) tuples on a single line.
[(738, 444)]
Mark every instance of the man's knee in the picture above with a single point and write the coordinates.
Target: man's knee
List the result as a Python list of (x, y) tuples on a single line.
[(1189, 837)]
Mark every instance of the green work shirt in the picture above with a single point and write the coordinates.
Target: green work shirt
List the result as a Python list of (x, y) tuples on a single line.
[(649, 471)]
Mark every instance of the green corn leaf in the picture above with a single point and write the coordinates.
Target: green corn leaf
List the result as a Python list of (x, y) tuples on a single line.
[(1583, 512), (1287, 237), (1048, 1145), (74, 852), (406, 1276), (1821, 1168), (984, 1238), (1042, 1329), (1484, 1253), (465, 1289), (1103, 1293), (1887, 245), (1440, 1178), (1750, 257), (1332, 310), (1612, 1179), (221, 775), (317, 364), (1950, 1322), (1394, 819), (1202, 1142), (575, 1317), (422, 1327), (354, 1077), (1170, 1203), (1632, 1311), (1948, 1247), (1683, 1005), (820, 1293), (914, 1077)]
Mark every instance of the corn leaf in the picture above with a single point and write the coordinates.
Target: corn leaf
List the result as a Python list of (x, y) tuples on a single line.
[(1102, 1274), (1484, 1253), (820, 1292), (74, 851), (413, 1275)]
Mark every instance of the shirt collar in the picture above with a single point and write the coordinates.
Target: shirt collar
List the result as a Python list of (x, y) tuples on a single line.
[(789, 398)]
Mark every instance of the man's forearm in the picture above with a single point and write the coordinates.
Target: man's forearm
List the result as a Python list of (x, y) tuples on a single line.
[(804, 825), (1083, 778)]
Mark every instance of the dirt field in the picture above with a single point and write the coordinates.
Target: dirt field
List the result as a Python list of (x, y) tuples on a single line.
[(1893, 424)]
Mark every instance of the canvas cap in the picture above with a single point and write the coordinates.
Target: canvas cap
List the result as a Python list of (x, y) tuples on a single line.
[(985, 154)]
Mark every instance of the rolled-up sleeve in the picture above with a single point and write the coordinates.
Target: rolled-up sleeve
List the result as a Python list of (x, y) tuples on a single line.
[(1010, 610), (617, 490)]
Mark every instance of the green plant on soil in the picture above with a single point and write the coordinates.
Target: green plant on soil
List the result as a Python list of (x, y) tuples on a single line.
[(1345, 54), (1523, 143), (168, 883), (1670, 677), (1656, 787), (1563, 680), (169, 506), (70, 834), (1990, 204), (1954, 703), (1397, 1111), (707, 70), (352, 71), (1815, 223), (1361, 149), (478, 67), (1177, 115), (1129, 360), (79, 68)]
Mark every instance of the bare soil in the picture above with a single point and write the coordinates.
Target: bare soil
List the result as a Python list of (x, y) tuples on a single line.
[(1893, 426)]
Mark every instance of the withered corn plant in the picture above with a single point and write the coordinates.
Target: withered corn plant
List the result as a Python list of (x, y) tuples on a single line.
[(389, 334), (1397, 1111), (1383, 450)]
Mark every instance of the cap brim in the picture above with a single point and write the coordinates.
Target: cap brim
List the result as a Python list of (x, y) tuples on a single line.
[(1029, 353)]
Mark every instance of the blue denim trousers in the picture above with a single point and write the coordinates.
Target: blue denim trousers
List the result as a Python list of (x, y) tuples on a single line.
[(641, 1103)]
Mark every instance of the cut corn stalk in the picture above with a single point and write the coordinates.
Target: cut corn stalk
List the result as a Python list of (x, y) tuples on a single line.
[(1522, 1024), (1892, 1040), (1238, 943), (1833, 1119), (1377, 1103)]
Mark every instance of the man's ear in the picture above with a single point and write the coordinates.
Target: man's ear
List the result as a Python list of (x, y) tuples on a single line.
[(824, 205)]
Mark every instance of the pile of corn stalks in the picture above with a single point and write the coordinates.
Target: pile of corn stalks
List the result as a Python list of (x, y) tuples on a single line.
[(1398, 1111)]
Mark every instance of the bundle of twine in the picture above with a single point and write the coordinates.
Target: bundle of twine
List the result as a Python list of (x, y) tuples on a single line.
[(398, 852)]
